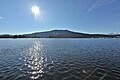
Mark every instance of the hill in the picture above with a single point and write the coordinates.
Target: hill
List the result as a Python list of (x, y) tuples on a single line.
[(60, 34), (66, 34)]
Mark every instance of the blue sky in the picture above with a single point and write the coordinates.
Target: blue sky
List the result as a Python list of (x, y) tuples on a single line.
[(92, 16)]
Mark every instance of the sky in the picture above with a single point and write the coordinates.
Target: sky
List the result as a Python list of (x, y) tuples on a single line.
[(91, 16)]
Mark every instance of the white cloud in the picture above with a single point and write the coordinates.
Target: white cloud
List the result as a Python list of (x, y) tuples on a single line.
[(1, 18), (99, 3)]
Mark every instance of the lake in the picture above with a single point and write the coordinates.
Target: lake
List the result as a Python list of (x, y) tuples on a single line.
[(60, 59)]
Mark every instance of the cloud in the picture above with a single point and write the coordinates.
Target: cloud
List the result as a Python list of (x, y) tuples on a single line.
[(99, 3), (1, 18)]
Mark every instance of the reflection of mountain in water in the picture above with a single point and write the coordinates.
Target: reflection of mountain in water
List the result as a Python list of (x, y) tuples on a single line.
[(35, 60)]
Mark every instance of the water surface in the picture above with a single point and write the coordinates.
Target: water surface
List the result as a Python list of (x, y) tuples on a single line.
[(60, 59)]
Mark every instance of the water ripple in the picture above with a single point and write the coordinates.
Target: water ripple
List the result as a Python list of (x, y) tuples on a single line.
[(60, 59)]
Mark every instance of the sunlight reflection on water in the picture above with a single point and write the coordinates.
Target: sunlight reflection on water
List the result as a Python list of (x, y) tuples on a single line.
[(35, 59)]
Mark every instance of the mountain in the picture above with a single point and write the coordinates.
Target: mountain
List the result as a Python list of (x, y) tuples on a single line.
[(114, 33), (66, 34), (61, 34), (56, 33)]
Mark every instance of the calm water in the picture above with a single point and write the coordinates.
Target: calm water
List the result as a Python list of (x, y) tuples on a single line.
[(59, 59)]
